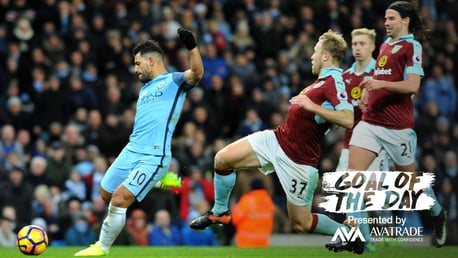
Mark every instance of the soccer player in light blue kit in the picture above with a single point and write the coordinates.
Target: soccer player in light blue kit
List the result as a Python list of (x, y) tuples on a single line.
[(146, 158)]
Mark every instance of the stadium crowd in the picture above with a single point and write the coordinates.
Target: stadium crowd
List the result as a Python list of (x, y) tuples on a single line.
[(68, 92)]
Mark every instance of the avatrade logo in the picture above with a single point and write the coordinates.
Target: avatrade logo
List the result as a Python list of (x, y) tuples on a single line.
[(346, 234)]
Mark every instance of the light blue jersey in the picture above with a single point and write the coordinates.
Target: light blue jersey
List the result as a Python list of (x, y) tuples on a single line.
[(159, 107), (146, 158)]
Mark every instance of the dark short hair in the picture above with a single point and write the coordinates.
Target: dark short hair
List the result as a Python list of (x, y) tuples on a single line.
[(147, 46)]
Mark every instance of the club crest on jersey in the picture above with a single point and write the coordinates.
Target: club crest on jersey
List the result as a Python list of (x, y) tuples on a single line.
[(318, 84), (382, 61), (396, 49), (160, 85)]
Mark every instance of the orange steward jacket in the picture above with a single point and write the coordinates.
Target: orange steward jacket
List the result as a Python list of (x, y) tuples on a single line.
[(253, 218)]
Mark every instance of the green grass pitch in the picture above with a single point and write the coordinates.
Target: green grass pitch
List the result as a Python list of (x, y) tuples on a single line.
[(233, 252)]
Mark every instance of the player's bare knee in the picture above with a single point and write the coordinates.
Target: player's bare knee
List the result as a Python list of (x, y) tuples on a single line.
[(301, 225), (122, 197), (106, 196), (298, 227), (219, 163)]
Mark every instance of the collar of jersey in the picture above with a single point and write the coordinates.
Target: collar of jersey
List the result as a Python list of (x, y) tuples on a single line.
[(370, 66), (325, 72), (405, 37)]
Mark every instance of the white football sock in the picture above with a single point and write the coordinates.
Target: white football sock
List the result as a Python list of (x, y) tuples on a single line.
[(112, 226)]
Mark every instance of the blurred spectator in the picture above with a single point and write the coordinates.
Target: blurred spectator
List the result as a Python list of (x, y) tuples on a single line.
[(217, 101), (164, 233), (24, 138), (237, 101), (16, 116), (80, 233), (57, 170), (426, 121), (80, 95), (36, 174), (68, 210), (74, 186), (82, 160), (138, 227), (213, 64), (50, 214), (8, 143), (242, 39), (214, 36), (94, 123), (262, 104), (24, 34), (252, 123), (113, 103), (191, 237), (71, 139), (113, 136), (7, 235), (245, 69), (441, 90), (18, 194), (80, 119), (195, 188), (94, 179), (9, 212), (51, 111), (267, 36), (253, 217)]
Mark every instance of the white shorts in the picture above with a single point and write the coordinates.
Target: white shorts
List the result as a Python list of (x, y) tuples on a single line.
[(380, 162), (297, 180), (400, 145)]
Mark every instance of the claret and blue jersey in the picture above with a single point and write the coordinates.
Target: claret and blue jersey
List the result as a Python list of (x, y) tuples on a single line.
[(302, 126), (395, 62)]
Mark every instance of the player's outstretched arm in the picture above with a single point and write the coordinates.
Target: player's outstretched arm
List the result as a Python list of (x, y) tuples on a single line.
[(196, 71)]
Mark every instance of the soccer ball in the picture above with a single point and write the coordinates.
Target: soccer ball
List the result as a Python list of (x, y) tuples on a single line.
[(32, 240)]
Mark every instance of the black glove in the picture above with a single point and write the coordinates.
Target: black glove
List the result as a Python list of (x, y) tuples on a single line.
[(187, 38)]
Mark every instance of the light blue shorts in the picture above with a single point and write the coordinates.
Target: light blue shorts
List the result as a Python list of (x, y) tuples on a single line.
[(138, 172)]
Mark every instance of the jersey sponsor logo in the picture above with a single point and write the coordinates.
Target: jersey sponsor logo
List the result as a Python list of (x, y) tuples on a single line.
[(356, 92), (144, 99), (396, 49), (382, 61), (143, 94), (382, 71)]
